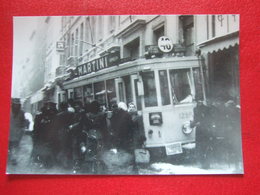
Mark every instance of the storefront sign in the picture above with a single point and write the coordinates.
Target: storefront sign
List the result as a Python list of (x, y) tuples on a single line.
[(98, 64)]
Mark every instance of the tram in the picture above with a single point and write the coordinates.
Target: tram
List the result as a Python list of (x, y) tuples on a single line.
[(163, 89)]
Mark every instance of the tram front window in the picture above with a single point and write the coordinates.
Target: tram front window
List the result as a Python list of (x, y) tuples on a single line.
[(150, 96), (181, 85)]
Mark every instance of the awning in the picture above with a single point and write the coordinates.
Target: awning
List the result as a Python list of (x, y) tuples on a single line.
[(219, 43)]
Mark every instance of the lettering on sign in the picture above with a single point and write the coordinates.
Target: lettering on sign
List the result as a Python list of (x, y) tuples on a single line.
[(99, 63), (165, 44)]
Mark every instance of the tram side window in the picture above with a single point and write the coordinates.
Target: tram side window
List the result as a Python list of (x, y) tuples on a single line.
[(165, 95), (138, 98), (88, 93), (198, 84), (99, 89), (181, 84), (121, 91), (150, 96), (111, 92)]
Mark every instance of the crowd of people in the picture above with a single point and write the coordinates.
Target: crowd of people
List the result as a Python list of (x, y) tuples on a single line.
[(75, 133)]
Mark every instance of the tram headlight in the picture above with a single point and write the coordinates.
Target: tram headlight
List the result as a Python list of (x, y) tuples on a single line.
[(186, 128)]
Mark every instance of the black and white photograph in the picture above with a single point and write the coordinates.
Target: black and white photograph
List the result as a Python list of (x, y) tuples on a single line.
[(125, 95)]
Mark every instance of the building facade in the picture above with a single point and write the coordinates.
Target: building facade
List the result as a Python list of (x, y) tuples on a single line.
[(88, 38)]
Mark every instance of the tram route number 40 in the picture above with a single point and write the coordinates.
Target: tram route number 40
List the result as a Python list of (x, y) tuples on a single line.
[(165, 44)]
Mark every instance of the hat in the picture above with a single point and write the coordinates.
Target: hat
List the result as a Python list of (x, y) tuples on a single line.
[(122, 105), (16, 101)]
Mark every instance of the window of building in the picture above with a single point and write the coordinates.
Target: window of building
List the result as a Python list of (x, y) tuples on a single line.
[(181, 83), (112, 23), (131, 50), (157, 33), (68, 46), (150, 95), (100, 28), (72, 45), (81, 39), (213, 26), (187, 33), (93, 29), (76, 42), (165, 95)]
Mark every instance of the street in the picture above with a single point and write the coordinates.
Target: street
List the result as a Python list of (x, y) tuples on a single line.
[(118, 163)]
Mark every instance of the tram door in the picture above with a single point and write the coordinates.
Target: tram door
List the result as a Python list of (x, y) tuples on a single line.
[(120, 90), (136, 94)]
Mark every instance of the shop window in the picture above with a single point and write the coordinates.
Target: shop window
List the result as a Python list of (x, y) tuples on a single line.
[(157, 34), (150, 96), (165, 94), (187, 33), (131, 50), (181, 83)]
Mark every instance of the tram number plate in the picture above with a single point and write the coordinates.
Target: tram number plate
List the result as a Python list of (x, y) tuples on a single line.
[(173, 149)]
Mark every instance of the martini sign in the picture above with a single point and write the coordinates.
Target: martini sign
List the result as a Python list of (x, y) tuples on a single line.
[(165, 44)]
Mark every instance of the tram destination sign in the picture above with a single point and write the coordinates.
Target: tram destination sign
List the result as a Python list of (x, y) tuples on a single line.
[(98, 64)]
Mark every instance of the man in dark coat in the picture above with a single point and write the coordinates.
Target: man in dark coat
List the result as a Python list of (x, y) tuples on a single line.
[(62, 145), (43, 135), (17, 125), (203, 122), (122, 127)]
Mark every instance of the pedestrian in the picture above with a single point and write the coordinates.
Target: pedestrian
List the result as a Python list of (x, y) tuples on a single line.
[(137, 126), (62, 145), (203, 122), (17, 125), (43, 136), (98, 120), (78, 134), (121, 125)]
